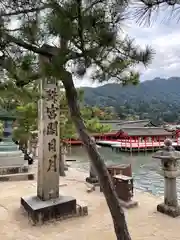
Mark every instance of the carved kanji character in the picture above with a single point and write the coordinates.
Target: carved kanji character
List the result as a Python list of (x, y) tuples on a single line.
[(52, 111), (52, 128), (52, 164), (52, 145)]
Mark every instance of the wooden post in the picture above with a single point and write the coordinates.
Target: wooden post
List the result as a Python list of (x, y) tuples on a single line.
[(130, 144), (145, 143), (159, 141)]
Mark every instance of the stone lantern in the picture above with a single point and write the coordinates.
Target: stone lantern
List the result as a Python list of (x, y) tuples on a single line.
[(93, 178), (12, 163), (169, 169), (8, 149)]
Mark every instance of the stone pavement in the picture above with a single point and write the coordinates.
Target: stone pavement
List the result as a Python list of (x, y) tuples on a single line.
[(144, 222)]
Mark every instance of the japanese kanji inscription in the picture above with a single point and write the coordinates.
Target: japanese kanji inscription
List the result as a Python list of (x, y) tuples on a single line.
[(48, 175)]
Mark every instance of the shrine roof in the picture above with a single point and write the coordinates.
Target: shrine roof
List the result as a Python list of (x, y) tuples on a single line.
[(116, 125), (146, 131)]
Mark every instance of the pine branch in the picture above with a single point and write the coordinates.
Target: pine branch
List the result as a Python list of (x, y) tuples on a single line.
[(93, 3), (157, 3), (46, 50), (80, 24), (11, 39), (9, 89), (145, 10), (8, 64), (24, 11)]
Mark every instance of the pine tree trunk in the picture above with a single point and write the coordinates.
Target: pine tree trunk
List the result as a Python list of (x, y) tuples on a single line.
[(106, 184), (61, 161)]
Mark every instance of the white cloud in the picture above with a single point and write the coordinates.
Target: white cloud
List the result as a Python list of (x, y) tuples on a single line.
[(165, 40)]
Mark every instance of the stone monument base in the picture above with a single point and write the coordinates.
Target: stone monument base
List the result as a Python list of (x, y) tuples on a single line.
[(55, 209), (169, 210), (129, 204), (15, 173), (14, 169), (17, 177)]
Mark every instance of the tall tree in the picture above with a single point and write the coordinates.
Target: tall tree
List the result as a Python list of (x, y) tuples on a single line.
[(76, 35)]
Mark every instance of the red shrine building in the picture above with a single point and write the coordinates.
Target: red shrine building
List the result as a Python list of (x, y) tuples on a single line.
[(132, 131)]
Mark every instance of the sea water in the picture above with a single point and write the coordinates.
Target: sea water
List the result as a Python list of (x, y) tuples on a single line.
[(145, 169)]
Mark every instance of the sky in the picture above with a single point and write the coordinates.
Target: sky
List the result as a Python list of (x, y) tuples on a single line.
[(164, 38)]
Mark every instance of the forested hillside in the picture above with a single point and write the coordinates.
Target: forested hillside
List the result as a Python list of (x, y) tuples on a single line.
[(158, 99)]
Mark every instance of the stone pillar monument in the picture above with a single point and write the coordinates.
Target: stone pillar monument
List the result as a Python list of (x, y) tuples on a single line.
[(48, 168), (169, 157), (48, 204)]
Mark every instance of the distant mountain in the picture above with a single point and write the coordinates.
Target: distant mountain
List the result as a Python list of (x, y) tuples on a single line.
[(156, 99)]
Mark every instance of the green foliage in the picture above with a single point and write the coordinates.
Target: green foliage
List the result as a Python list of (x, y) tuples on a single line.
[(90, 115), (103, 113), (87, 34), (25, 107), (94, 126), (157, 100), (22, 103), (26, 122), (67, 130)]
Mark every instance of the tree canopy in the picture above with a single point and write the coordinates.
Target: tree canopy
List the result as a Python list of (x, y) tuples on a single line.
[(91, 30), (90, 115), (24, 104), (156, 100)]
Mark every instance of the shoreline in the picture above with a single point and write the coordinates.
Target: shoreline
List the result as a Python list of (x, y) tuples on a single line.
[(136, 188), (81, 174), (149, 225), (145, 169)]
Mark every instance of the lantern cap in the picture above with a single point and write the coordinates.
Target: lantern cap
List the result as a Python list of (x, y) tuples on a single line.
[(168, 152)]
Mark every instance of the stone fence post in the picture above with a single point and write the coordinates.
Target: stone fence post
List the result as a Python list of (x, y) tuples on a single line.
[(169, 169)]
